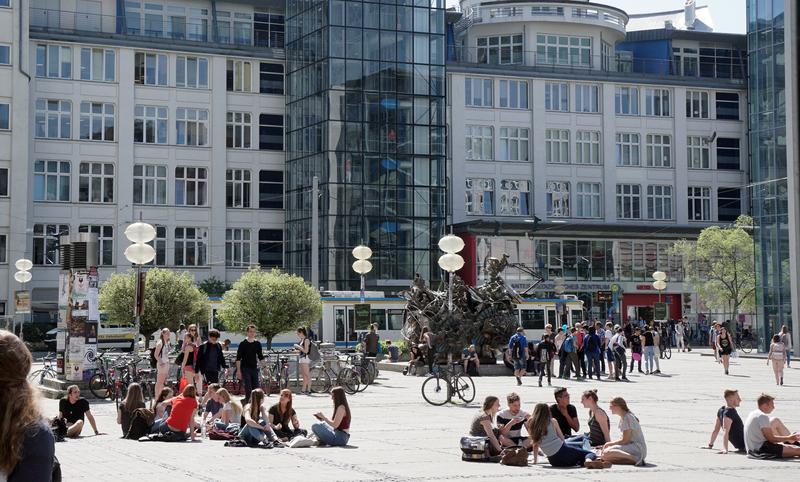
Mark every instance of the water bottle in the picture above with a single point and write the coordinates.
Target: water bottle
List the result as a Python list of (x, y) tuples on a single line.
[(203, 431)]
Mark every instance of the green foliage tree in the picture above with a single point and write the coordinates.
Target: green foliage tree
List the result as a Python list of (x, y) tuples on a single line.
[(170, 298), (275, 302), (720, 266), (213, 286)]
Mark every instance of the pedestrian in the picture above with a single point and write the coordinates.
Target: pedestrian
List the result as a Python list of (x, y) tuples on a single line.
[(601, 333), (180, 335), (547, 437), (679, 333), (786, 339), (74, 410), (133, 400), (283, 418), (191, 342), (729, 421), (210, 359), (725, 348), (426, 340), (608, 353), (545, 351), (335, 431), (161, 354), (559, 342), (631, 449), (712, 340), (580, 336), (248, 356), (765, 435), (572, 355), (372, 341), (636, 349), (564, 412), (599, 423), (591, 348), (657, 339), (304, 362), (649, 350), (777, 352), (27, 446), (518, 347), (620, 361)]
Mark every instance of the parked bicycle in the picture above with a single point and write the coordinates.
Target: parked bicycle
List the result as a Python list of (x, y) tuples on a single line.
[(445, 383), (277, 372), (747, 341), (47, 371), (323, 377)]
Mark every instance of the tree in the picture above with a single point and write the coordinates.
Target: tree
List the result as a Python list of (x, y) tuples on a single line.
[(213, 286), (273, 301), (720, 266), (170, 298)]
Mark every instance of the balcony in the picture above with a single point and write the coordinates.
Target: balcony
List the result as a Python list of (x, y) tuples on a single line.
[(592, 14), (260, 31)]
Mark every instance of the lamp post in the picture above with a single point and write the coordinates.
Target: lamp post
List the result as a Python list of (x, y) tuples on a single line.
[(362, 266), (660, 284), (23, 275), (450, 261), (139, 253)]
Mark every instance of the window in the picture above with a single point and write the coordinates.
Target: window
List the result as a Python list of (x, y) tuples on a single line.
[(696, 104), (159, 243), (190, 246), (46, 242), (98, 64), (237, 188), (54, 61), (4, 182), (191, 127), (149, 184), (629, 202), (270, 132), (556, 97), (271, 78), (3, 248), (627, 100), (5, 121), (105, 242), (699, 203), (479, 196), (190, 186), (478, 92), (728, 154), (191, 72), (237, 247), (588, 200), (270, 248), (53, 119), (659, 150), (502, 49), (563, 50), (270, 189), (587, 147), (479, 142), (150, 69), (96, 182), (729, 203), (728, 105), (235, 27), (513, 144), (587, 98), (557, 199), (628, 149), (240, 76), (659, 202), (51, 180), (150, 124), (697, 153), (557, 145), (514, 198), (514, 94), (97, 121), (238, 132), (5, 54), (656, 102)]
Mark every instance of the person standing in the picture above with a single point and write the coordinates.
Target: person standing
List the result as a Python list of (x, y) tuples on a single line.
[(591, 348), (713, 332), (180, 335), (304, 347), (724, 348), (191, 342), (601, 333), (161, 354), (545, 352), (608, 353), (371, 341), (636, 349), (620, 361), (786, 339), (426, 340), (571, 356), (679, 332), (74, 409), (777, 351), (730, 423), (649, 350), (210, 359), (657, 337), (562, 357), (518, 347), (580, 336), (248, 356)]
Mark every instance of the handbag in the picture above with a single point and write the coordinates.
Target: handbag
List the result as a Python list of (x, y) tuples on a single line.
[(475, 449), (516, 456), (637, 356), (179, 359)]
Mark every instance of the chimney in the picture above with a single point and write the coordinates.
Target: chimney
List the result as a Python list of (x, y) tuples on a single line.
[(668, 25), (688, 14)]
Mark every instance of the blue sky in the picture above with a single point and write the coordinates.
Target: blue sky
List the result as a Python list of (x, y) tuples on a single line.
[(729, 15)]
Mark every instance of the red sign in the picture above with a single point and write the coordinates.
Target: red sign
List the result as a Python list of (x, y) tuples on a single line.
[(645, 287)]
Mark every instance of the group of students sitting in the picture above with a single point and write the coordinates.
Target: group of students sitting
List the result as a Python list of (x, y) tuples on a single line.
[(549, 429)]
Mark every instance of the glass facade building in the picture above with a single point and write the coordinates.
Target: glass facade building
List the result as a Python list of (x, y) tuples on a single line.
[(366, 115)]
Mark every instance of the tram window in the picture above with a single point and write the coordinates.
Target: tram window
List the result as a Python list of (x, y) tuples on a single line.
[(551, 318), (577, 317), (375, 316), (396, 320), (532, 319), (340, 325)]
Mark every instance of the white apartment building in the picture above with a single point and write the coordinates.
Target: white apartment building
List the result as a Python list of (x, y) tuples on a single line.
[(584, 151), (168, 110)]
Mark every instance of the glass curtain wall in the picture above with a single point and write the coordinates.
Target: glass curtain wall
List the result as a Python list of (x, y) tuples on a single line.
[(365, 108)]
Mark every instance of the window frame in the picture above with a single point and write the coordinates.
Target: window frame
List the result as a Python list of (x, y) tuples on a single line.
[(96, 187), (469, 95), (588, 200), (514, 89), (160, 69), (264, 244), (201, 65), (590, 92), (183, 181), (701, 99), (185, 119), (46, 241), (557, 200), (153, 184), (660, 202), (238, 241), (238, 127), (655, 144), (90, 118), (626, 95), (239, 75), (262, 80), (266, 197), (160, 125), (477, 191), (657, 102), (104, 68), (44, 63), (486, 46), (470, 138), (511, 190), (238, 188), (267, 130), (587, 147), (629, 201), (557, 92), (557, 146), (695, 195), (64, 118), (507, 140), (697, 149), (105, 241), (198, 241), (59, 175), (633, 148)]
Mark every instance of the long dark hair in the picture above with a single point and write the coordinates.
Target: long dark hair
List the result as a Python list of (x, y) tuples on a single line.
[(256, 399), (134, 399), (340, 399), (285, 413), (539, 423), (163, 395)]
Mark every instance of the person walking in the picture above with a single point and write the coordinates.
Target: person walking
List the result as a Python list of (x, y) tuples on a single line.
[(777, 352), (724, 348), (786, 339), (591, 349), (608, 353), (372, 341), (161, 354), (713, 332), (679, 332), (545, 351), (210, 359), (636, 349), (649, 350), (248, 356), (518, 347), (620, 361)]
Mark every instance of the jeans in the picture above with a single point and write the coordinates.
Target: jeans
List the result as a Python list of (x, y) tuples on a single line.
[(329, 435), (253, 435), (578, 441), (649, 353), (250, 380), (164, 428), (562, 363), (593, 359), (582, 360), (161, 422), (570, 456)]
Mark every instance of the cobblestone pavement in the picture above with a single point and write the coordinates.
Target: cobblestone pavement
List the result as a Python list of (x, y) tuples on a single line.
[(396, 436)]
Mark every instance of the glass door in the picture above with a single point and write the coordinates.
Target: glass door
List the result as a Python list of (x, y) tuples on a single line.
[(344, 321)]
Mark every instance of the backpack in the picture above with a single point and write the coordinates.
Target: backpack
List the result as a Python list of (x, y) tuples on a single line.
[(516, 348), (215, 434), (517, 456), (569, 344), (59, 428), (475, 449), (153, 361), (591, 343), (313, 352), (141, 421)]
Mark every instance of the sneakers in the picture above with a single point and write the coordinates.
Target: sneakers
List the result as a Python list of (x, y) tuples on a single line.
[(657, 371), (540, 383), (625, 379), (519, 381)]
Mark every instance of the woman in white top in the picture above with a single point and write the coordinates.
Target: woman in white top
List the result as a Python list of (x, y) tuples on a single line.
[(631, 449), (777, 353), (231, 411), (303, 346), (163, 347)]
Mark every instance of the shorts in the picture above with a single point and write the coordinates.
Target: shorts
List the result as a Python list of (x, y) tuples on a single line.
[(520, 364), (304, 360), (770, 449)]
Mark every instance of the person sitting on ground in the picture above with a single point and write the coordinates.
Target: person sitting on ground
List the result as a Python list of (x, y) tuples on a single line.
[(768, 436), (334, 432), (73, 409), (283, 418), (159, 408), (483, 425), (547, 437), (599, 423), (181, 416), (211, 404), (470, 357), (256, 428), (394, 352), (730, 423), (231, 413), (27, 445), (415, 359), (133, 400), (564, 412), (631, 449), (510, 422)]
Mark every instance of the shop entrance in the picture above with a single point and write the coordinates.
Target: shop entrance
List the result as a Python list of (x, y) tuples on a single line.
[(637, 313)]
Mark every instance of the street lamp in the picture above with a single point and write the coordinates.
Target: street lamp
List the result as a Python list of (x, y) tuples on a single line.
[(139, 253), (23, 276), (362, 266), (660, 283), (450, 261)]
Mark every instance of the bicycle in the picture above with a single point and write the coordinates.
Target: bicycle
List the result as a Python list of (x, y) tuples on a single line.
[(347, 378), (440, 387), (747, 343), (47, 371), (359, 364), (277, 371)]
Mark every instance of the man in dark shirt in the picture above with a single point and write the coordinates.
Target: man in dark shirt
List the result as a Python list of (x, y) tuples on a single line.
[(247, 357), (371, 340), (729, 421), (565, 413), (544, 353), (210, 359), (72, 409)]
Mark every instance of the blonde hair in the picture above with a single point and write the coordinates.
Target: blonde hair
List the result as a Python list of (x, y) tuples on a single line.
[(225, 395)]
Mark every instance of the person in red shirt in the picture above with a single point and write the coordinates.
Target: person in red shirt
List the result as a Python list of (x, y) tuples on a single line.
[(181, 417)]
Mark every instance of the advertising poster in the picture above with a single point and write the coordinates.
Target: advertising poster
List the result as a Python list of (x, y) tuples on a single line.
[(93, 296), (91, 332), (75, 358), (61, 340), (22, 301), (79, 296)]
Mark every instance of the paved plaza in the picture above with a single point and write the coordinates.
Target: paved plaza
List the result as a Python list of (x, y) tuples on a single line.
[(396, 436)]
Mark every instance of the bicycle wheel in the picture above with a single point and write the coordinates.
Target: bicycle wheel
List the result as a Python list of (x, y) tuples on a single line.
[(283, 378), (436, 390), (98, 385), (320, 380), (348, 380), (747, 345), (372, 368), (464, 387), (362, 375), (36, 376)]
